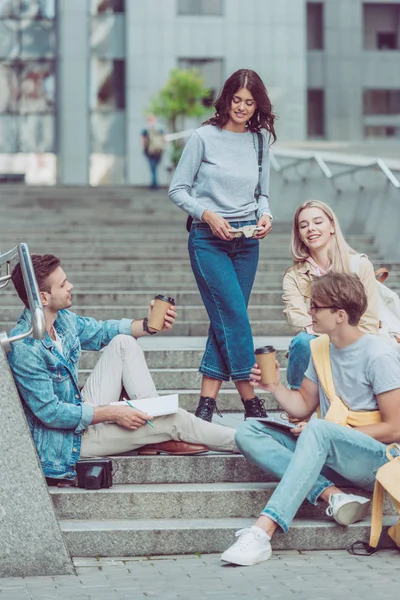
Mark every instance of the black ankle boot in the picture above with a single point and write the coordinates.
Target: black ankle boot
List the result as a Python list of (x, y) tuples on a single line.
[(254, 408), (205, 409)]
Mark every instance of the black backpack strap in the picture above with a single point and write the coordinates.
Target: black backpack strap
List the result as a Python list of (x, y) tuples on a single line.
[(260, 144)]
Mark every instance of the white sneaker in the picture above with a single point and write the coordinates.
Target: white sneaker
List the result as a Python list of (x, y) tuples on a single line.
[(252, 547), (347, 508)]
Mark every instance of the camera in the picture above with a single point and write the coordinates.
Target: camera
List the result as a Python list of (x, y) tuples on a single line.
[(94, 473)]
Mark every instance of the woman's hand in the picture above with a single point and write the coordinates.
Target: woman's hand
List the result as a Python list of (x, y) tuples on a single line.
[(218, 225), (255, 378), (265, 223)]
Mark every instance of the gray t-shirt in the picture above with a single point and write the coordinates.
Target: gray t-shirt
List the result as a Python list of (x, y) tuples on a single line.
[(360, 371), (218, 171)]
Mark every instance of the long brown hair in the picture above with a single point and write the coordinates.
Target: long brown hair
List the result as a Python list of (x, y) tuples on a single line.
[(263, 117)]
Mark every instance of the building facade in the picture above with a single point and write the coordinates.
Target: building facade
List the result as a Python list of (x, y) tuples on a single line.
[(77, 75)]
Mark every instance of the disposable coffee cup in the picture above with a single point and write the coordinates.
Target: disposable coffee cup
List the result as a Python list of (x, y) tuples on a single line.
[(159, 310), (265, 358)]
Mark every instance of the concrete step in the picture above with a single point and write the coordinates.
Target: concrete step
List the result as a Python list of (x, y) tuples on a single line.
[(200, 328), (228, 399), (187, 314), (183, 358), (188, 536), (173, 379), (180, 501)]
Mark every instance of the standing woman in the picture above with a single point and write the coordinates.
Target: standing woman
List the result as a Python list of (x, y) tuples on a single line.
[(317, 247), (216, 183)]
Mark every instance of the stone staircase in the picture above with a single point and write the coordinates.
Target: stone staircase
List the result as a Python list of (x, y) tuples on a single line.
[(119, 247)]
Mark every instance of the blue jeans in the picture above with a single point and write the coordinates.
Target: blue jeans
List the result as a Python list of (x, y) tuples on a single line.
[(153, 162), (225, 271), (303, 464), (299, 357)]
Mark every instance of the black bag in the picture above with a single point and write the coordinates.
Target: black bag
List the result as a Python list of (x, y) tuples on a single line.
[(257, 191)]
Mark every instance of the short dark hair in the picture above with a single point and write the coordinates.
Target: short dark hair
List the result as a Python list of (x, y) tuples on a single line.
[(263, 116), (343, 291), (43, 265)]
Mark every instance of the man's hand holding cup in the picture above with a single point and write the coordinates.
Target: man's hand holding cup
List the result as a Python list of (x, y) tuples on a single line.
[(162, 313)]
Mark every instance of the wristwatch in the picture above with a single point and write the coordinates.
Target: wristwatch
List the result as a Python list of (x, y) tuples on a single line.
[(146, 327)]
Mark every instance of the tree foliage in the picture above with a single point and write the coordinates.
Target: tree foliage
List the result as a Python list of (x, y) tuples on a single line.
[(182, 96)]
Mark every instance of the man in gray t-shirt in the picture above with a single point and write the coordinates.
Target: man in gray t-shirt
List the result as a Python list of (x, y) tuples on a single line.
[(310, 458)]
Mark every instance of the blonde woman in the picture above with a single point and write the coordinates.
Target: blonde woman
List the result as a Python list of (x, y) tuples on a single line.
[(317, 247)]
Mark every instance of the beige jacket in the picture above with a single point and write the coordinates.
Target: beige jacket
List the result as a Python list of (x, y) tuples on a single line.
[(297, 294)]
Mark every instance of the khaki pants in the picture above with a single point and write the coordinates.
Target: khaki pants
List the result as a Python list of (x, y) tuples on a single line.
[(123, 364)]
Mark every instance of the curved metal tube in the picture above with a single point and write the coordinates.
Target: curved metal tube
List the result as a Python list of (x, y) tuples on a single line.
[(38, 328), (32, 292)]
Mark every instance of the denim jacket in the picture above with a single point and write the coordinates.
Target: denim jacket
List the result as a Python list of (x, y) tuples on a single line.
[(48, 384)]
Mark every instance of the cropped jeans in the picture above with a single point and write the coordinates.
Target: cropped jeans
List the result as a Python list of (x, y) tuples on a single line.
[(225, 272), (299, 357), (323, 453)]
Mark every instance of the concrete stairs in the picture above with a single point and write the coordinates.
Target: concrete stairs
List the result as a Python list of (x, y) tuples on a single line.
[(119, 247)]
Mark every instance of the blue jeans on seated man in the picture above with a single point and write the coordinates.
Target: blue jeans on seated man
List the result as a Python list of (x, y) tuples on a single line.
[(320, 457), (299, 357), (224, 272)]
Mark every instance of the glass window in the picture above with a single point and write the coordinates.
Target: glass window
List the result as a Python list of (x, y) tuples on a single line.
[(101, 7), (381, 26), (381, 131), (38, 40), (8, 134), (316, 114), (200, 7), (108, 84), (9, 88), (36, 133), (107, 36), (108, 133), (10, 44), (10, 9), (212, 71), (381, 102), (315, 26), (27, 86)]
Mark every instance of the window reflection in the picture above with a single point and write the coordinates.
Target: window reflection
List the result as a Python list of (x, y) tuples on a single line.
[(37, 88), (108, 84), (38, 40), (100, 7), (10, 45), (107, 36), (9, 88)]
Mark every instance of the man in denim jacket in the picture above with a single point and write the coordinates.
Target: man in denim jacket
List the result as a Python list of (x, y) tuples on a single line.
[(67, 422)]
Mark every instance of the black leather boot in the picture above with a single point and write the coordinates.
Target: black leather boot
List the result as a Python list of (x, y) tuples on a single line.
[(205, 409), (254, 408)]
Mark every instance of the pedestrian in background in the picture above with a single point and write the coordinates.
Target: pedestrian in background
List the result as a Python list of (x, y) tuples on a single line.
[(153, 141)]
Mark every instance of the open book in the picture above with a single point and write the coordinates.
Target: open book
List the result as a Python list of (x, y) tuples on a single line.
[(156, 407)]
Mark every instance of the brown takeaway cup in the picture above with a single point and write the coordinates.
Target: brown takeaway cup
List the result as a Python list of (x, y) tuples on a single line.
[(159, 310), (265, 358)]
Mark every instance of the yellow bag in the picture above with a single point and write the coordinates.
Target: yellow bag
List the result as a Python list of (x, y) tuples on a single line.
[(338, 411), (387, 479), (388, 476)]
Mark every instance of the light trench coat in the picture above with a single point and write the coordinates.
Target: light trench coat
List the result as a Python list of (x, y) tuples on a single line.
[(297, 295)]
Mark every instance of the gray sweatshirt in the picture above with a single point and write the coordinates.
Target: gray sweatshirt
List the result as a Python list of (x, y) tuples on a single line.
[(218, 171)]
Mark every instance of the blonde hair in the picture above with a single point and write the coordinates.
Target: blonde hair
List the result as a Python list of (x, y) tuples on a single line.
[(339, 249)]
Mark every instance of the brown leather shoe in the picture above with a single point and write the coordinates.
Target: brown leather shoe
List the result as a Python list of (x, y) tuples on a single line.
[(172, 447)]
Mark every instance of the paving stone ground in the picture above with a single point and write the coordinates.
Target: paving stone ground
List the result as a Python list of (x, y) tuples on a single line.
[(332, 575)]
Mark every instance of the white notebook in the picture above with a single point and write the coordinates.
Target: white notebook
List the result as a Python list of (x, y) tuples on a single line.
[(156, 407)]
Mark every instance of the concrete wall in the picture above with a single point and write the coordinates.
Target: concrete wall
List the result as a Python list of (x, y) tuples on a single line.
[(266, 36), (31, 542), (343, 69)]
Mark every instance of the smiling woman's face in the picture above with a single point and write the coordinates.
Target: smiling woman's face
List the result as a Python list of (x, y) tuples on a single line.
[(242, 108), (315, 228)]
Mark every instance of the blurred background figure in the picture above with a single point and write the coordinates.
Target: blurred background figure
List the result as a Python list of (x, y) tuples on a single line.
[(153, 141)]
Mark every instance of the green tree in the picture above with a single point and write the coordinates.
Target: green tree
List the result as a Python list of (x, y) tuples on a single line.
[(182, 96)]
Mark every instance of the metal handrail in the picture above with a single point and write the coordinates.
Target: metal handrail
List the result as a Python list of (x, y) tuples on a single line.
[(38, 328), (318, 157)]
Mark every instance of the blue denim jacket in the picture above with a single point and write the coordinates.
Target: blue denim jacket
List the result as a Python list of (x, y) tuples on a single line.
[(48, 383)]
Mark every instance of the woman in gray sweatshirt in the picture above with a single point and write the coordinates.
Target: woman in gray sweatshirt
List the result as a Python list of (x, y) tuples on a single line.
[(220, 184)]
